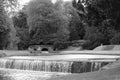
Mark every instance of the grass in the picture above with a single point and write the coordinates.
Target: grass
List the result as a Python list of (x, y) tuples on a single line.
[(108, 47), (15, 53)]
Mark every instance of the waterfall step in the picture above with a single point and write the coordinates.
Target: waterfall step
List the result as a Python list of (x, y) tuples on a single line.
[(71, 57), (51, 65)]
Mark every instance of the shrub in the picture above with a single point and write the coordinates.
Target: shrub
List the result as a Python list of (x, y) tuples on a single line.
[(116, 39), (91, 45)]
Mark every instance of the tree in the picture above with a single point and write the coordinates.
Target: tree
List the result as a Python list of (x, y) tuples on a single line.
[(94, 36), (102, 16), (100, 10), (47, 23), (12, 38), (4, 29), (22, 29), (76, 27), (4, 22)]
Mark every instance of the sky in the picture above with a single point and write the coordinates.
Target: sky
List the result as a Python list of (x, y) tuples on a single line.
[(22, 2)]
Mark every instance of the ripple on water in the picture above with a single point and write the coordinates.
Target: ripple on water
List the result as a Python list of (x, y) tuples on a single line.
[(12, 74)]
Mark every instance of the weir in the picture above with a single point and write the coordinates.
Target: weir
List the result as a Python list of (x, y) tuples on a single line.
[(51, 65)]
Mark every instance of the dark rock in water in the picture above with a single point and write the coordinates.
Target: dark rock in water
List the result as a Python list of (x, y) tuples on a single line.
[(81, 67)]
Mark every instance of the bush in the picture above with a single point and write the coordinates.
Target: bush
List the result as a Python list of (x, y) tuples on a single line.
[(91, 45), (116, 39), (61, 45)]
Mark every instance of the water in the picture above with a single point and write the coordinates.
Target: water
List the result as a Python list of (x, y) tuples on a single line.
[(68, 57), (36, 65), (42, 68), (51, 65), (14, 74)]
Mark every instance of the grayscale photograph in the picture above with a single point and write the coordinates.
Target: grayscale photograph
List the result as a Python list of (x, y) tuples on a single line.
[(59, 39)]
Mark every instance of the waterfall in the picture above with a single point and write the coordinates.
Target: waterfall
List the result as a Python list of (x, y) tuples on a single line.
[(36, 65), (51, 65), (81, 67)]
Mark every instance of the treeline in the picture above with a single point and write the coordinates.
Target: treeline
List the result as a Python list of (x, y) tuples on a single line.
[(43, 22)]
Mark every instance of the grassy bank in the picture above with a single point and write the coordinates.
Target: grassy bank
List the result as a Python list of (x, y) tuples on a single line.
[(14, 52)]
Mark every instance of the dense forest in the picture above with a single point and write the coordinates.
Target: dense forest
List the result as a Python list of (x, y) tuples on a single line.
[(43, 22)]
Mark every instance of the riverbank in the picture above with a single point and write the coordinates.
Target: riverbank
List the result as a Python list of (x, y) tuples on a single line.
[(14, 53)]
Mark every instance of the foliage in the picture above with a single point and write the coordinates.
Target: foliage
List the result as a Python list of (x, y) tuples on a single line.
[(23, 35), (4, 22), (22, 29), (101, 10), (101, 20), (13, 39), (61, 45), (4, 29), (20, 20), (95, 37), (43, 22), (116, 39), (47, 23), (76, 27)]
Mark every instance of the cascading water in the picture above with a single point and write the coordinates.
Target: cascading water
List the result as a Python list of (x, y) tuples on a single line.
[(36, 65), (81, 67), (51, 65)]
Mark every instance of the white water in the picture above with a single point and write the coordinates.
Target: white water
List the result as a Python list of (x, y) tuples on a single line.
[(36, 65), (45, 67), (68, 57), (57, 63), (49, 65), (15, 74)]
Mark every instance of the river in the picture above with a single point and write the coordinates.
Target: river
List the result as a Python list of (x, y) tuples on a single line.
[(46, 67), (14, 74)]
